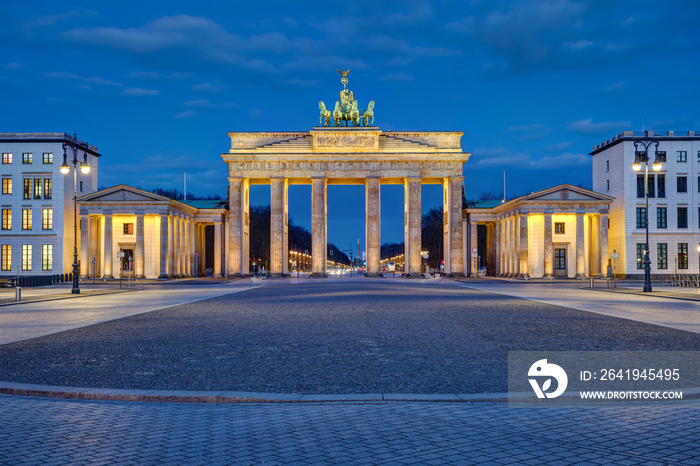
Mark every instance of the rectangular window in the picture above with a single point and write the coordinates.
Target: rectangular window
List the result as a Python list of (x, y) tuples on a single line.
[(27, 188), (47, 219), (6, 257), (699, 156), (128, 228), (640, 255), (681, 156), (560, 259), (640, 186), (661, 215), (682, 217), (48, 185), (81, 186), (682, 255), (651, 189), (46, 257), (7, 219), (48, 157), (37, 188), (607, 166), (26, 257), (26, 219), (641, 217), (661, 256), (682, 184), (661, 185), (7, 157), (26, 157), (7, 185), (559, 228), (607, 182)]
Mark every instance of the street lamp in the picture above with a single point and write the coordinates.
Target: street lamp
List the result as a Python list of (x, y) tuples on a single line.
[(84, 169), (642, 157)]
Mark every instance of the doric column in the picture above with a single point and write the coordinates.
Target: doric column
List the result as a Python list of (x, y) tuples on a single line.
[(235, 253), (139, 253), (108, 252), (164, 245), (548, 246), (217, 249), (524, 257), (176, 247), (412, 220), (183, 248), (318, 227), (473, 243), (497, 260), (489, 247), (277, 236), (594, 269), (171, 247), (84, 246), (580, 250), (373, 226), (456, 252), (203, 249), (516, 246), (508, 248), (603, 225), (193, 249)]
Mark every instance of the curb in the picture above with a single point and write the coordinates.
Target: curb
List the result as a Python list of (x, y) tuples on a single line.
[(183, 396)]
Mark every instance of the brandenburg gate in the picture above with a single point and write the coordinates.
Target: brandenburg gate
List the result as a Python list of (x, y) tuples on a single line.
[(344, 155)]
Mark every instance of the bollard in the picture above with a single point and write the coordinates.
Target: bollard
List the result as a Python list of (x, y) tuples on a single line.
[(18, 294), (591, 283)]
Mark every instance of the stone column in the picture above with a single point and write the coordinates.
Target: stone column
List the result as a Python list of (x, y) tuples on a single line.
[(524, 258), (497, 259), (277, 227), (580, 251), (183, 248), (176, 247), (203, 249), (235, 225), (139, 253), (171, 247), (108, 252), (516, 246), (473, 243), (193, 249), (412, 193), (456, 253), (548, 247), (84, 246), (489, 248), (217, 249), (604, 256), (164, 245), (318, 227), (373, 226), (507, 248), (594, 269)]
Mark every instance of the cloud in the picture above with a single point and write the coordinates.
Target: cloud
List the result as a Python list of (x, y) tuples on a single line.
[(564, 160), (144, 74), (13, 65), (578, 45), (136, 92), (186, 113), (208, 87), (503, 158), (530, 132), (587, 126), (558, 147), (397, 78), (203, 103), (75, 77), (616, 87)]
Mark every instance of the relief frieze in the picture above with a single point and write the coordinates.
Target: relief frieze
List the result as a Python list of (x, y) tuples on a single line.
[(355, 140)]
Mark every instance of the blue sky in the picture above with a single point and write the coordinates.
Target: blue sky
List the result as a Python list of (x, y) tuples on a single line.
[(156, 85)]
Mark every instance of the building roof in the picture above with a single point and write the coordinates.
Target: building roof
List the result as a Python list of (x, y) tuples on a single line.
[(206, 203), (632, 135), (483, 204), (47, 137)]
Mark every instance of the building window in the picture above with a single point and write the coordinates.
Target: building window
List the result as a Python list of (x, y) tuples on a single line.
[(7, 185), (607, 166), (640, 186), (607, 182), (26, 219), (651, 189), (37, 188), (47, 188), (560, 259), (640, 255), (698, 156), (682, 255), (662, 256), (7, 157), (27, 188), (559, 228), (47, 219), (6, 257), (681, 156), (46, 257), (81, 186), (682, 217), (26, 157), (661, 185), (661, 214), (641, 217), (128, 228), (682, 184), (7, 219), (26, 257), (48, 158)]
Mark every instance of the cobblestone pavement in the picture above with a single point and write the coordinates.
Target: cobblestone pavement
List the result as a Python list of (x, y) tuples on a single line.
[(325, 337), (45, 431)]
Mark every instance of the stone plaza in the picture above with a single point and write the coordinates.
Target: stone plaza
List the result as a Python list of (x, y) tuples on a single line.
[(337, 371)]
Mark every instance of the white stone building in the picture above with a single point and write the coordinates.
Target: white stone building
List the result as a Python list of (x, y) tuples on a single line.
[(674, 202), (37, 236)]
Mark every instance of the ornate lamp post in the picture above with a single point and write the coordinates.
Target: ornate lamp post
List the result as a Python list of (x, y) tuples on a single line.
[(84, 169), (642, 157)]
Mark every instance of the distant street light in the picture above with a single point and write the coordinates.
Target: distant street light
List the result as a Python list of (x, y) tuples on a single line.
[(84, 169)]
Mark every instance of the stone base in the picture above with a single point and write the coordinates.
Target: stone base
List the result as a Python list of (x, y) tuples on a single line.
[(548, 275), (108, 277), (140, 277), (318, 275), (524, 276), (580, 276)]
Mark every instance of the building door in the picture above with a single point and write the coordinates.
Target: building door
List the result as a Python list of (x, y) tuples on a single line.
[(560, 262), (127, 265)]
